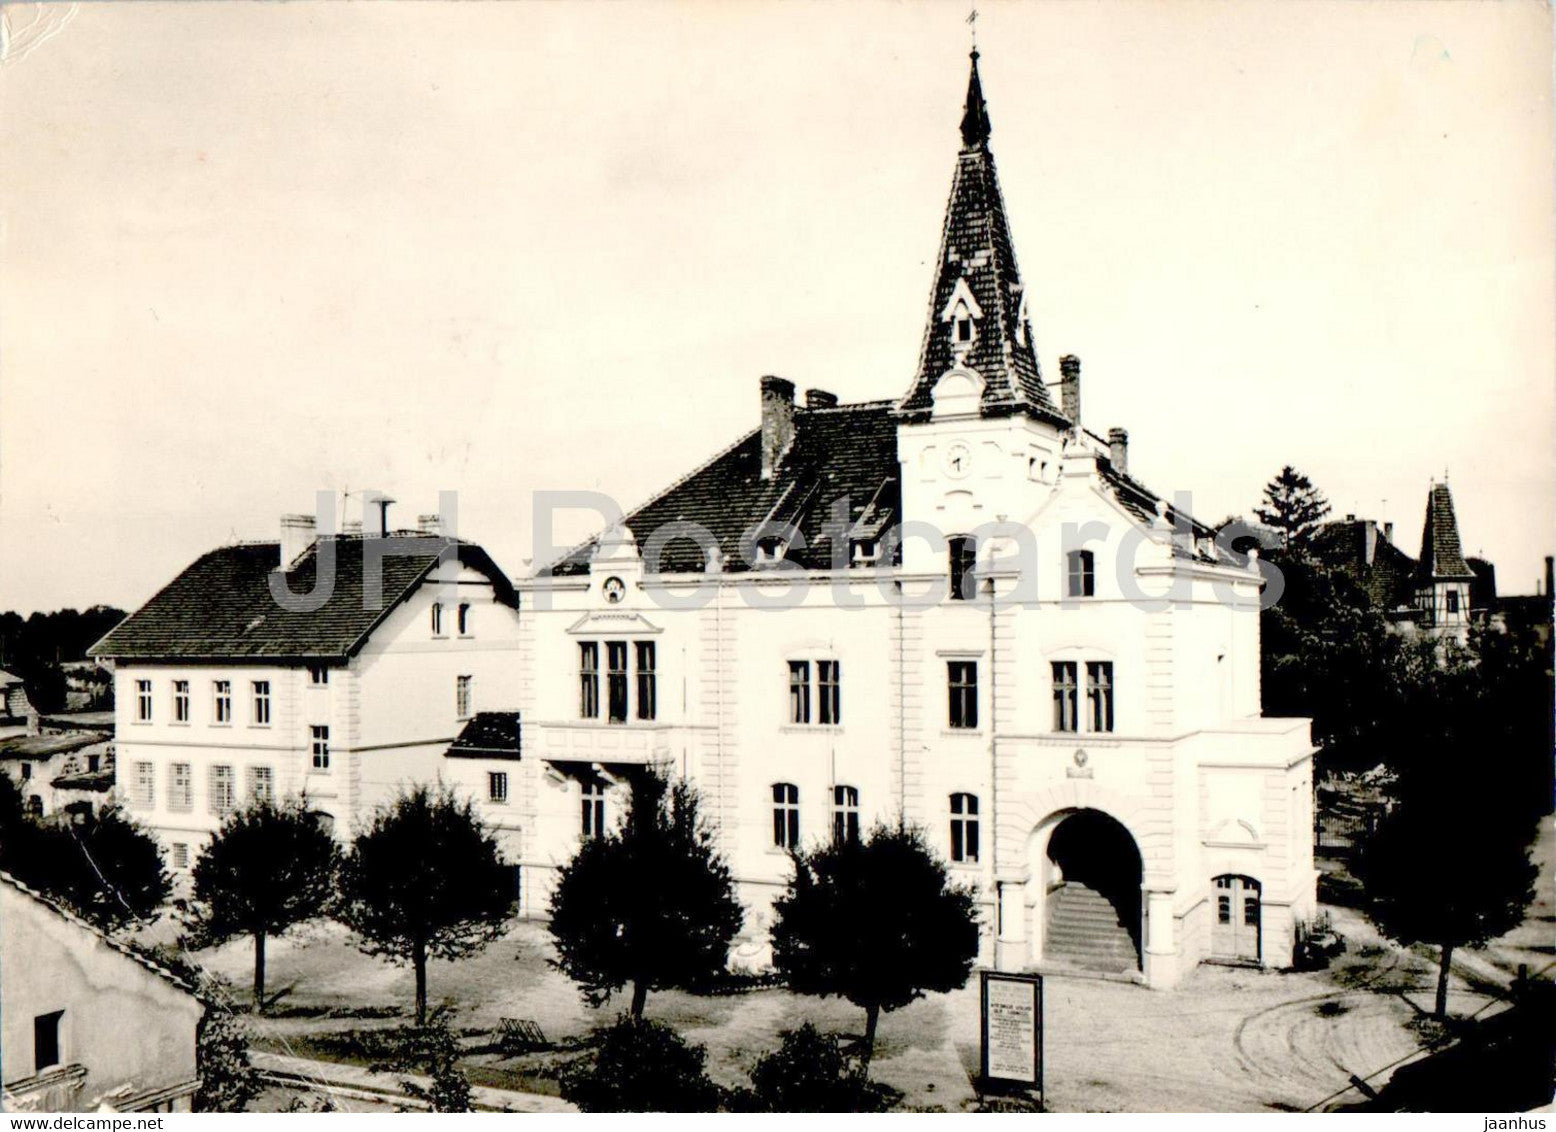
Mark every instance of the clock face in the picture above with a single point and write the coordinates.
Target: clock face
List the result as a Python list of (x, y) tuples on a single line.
[(614, 589), (958, 461)]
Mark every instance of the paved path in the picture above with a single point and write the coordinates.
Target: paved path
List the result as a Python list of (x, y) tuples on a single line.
[(347, 1083)]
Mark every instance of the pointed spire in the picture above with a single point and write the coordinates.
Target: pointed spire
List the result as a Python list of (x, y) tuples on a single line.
[(975, 112), (1441, 553), (977, 317)]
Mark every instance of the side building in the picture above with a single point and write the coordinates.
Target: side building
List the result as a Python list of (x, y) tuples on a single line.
[(85, 1023), (346, 692), (957, 608)]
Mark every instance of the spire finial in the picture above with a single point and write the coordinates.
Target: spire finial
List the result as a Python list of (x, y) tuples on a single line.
[(975, 114), (972, 23)]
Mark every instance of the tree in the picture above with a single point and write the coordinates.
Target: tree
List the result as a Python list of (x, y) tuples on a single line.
[(652, 904), (425, 879), (876, 922), (810, 1072), (1293, 506), (227, 1078), (106, 868), (1449, 865), (268, 867), (641, 1066)]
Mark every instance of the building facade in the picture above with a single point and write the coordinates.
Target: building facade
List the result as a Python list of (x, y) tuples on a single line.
[(957, 608), (87, 1024), (223, 694)]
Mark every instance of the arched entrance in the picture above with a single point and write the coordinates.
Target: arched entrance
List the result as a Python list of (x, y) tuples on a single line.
[(1092, 912), (1239, 910)]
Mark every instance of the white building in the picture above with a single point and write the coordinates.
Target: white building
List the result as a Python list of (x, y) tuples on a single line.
[(1094, 762), (222, 693)]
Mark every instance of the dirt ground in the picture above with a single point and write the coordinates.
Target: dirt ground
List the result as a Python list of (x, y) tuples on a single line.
[(1228, 1039)]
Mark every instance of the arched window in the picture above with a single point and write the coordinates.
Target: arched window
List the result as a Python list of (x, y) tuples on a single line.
[(964, 828), (437, 619), (1082, 574), (964, 559), (845, 813), (786, 815)]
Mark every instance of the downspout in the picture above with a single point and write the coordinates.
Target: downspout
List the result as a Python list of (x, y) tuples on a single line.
[(994, 780), (902, 711)]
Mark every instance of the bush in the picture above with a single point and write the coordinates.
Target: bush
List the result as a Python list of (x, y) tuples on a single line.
[(810, 1072), (227, 1079), (641, 1066), (431, 1049)]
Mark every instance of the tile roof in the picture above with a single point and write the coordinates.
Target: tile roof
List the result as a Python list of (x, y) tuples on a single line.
[(7, 679), (1441, 556), (48, 745), (844, 451), (220, 607), (976, 249), (1386, 575), (489, 734)]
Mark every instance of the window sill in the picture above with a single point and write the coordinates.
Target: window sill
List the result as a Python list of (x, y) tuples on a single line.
[(961, 733), (179, 723), (259, 727), (810, 728)]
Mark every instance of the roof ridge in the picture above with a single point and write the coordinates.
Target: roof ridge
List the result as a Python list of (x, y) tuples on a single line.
[(125, 949)]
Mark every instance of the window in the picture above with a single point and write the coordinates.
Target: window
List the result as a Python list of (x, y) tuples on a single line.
[(829, 692), (616, 681), (1099, 694), (865, 552), (497, 786), (221, 790), (180, 786), (223, 691), (786, 815), (180, 701), (1452, 597), (1251, 911), (1081, 578), (462, 617), (964, 828), (262, 784), (26, 771), (1224, 909), (594, 808), (845, 813), (180, 854), (962, 678), (799, 691), (35, 806), (1066, 717), (143, 701), (45, 1040), (437, 619), (962, 327), (94, 763), (321, 746), (462, 697), (318, 675), (262, 703), (964, 559), (143, 789), (589, 679), (647, 690)]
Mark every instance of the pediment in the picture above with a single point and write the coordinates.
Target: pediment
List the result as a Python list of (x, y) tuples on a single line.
[(619, 622)]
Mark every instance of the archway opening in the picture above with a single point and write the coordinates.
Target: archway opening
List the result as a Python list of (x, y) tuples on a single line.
[(1093, 912)]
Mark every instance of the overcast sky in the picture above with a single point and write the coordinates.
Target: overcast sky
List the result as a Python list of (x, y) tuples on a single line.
[(255, 250)]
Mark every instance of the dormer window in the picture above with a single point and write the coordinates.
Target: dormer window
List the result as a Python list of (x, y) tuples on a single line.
[(771, 548), (962, 328), (962, 312), (865, 552)]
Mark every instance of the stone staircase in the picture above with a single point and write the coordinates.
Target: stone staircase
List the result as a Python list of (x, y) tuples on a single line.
[(1084, 931)]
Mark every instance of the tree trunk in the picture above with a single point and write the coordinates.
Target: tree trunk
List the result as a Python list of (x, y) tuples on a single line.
[(872, 1016), (419, 962), (1441, 1009), (639, 996), (259, 972)]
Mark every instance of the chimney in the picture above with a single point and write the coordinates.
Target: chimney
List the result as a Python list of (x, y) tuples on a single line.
[(777, 422), (1118, 446), (1550, 568), (429, 524), (297, 535), (1388, 531), (381, 520), (1070, 388), (1370, 541), (820, 399)]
